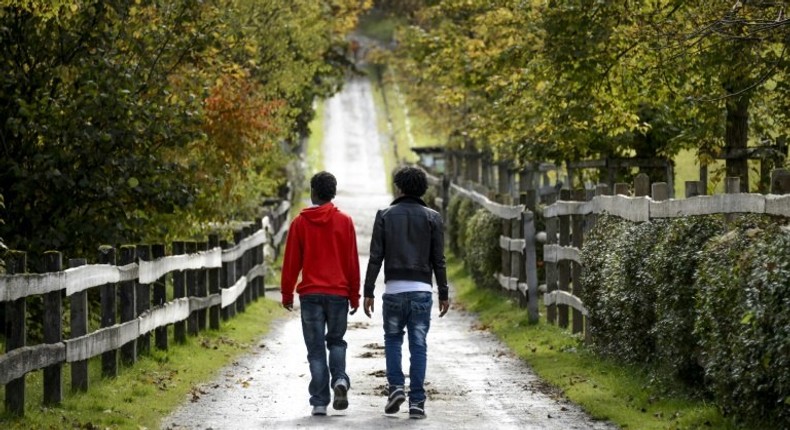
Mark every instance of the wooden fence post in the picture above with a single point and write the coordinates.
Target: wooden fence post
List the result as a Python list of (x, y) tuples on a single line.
[(192, 275), (238, 235), (79, 327), (202, 290), (160, 298), (516, 266), (621, 188), (143, 301), (109, 302), (641, 185), (693, 189), (505, 253), (260, 290), (179, 291), (15, 334), (552, 224), (127, 297), (53, 332), (249, 293), (660, 191), (564, 266), (226, 279), (780, 181), (530, 262), (577, 241), (213, 284)]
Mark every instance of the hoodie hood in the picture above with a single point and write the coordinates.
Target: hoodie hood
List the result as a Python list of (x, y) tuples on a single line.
[(319, 214)]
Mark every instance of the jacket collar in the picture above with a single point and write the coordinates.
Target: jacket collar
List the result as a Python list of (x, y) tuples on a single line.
[(408, 199)]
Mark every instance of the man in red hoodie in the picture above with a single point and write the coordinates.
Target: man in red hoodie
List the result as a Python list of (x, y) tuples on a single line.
[(322, 245)]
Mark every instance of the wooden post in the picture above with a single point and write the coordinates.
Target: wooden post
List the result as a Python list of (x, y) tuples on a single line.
[(202, 290), (53, 332), (160, 298), (732, 185), (692, 189), (238, 235), (703, 178), (79, 327), (192, 275), (260, 290), (780, 181), (109, 302), (576, 274), (127, 298), (552, 225), (564, 266), (15, 334), (603, 190), (213, 284), (179, 291), (143, 301), (247, 263), (660, 191), (530, 265), (516, 266), (226, 281), (622, 189), (504, 253), (641, 185)]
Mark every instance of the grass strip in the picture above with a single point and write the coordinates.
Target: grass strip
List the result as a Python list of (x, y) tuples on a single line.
[(625, 395), (142, 395)]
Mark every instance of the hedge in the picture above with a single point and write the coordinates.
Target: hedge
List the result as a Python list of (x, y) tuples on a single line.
[(481, 244)]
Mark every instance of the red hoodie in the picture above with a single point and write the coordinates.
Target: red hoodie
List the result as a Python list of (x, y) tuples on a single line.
[(322, 244)]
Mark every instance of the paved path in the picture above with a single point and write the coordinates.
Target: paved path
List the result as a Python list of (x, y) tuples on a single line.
[(473, 382)]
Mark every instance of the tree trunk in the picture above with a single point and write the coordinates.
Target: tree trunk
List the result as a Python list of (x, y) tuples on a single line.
[(735, 138)]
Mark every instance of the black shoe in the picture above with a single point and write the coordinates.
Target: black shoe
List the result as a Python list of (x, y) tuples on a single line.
[(341, 395), (396, 398), (417, 410)]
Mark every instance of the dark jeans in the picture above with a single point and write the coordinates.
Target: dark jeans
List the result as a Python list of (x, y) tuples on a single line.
[(411, 311), (324, 321)]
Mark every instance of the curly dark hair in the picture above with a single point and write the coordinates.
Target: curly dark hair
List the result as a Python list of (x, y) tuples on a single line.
[(324, 185), (412, 181)]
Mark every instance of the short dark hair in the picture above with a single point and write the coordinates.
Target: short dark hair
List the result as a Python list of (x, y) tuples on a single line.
[(324, 185), (411, 180)]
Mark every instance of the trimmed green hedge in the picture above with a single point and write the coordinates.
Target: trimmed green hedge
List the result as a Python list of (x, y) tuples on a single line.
[(482, 255), (743, 320), (698, 303), (672, 266)]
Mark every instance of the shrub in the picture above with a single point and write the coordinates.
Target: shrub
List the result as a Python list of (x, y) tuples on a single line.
[(672, 266), (619, 290), (451, 223), (466, 209), (743, 321), (482, 254)]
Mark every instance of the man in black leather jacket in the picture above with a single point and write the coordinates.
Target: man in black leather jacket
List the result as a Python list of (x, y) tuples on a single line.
[(408, 237)]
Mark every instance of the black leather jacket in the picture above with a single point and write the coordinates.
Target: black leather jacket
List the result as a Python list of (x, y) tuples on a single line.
[(408, 237)]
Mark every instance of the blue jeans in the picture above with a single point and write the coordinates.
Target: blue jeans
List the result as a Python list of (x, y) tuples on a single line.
[(412, 311), (324, 321)]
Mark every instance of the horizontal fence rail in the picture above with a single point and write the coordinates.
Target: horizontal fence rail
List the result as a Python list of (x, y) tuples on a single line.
[(209, 280)]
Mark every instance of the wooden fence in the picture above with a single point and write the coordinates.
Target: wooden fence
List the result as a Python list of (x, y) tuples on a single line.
[(210, 281), (569, 214)]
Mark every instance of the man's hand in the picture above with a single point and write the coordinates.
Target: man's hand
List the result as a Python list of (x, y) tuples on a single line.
[(444, 306), (288, 306), (353, 311), (368, 306)]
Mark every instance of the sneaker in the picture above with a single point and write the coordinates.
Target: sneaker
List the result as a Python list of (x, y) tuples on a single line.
[(396, 398), (341, 395), (417, 410), (319, 410)]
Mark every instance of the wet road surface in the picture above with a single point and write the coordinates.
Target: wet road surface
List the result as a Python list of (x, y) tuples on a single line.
[(472, 381)]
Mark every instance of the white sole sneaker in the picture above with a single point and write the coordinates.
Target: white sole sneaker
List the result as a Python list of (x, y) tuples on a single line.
[(341, 397), (319, 410)]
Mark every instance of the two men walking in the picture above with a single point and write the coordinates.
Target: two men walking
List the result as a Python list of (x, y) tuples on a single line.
[(408, 240)]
